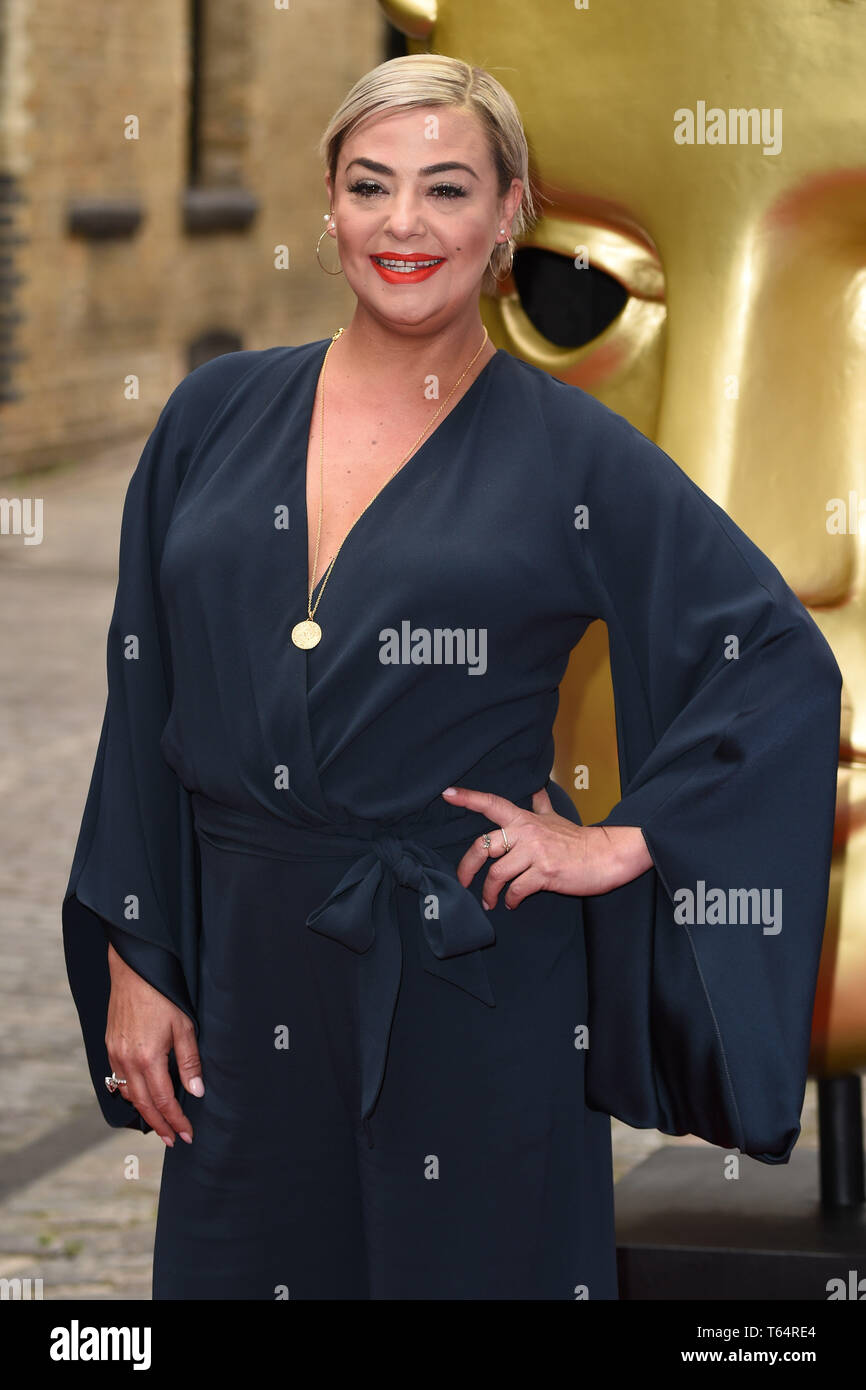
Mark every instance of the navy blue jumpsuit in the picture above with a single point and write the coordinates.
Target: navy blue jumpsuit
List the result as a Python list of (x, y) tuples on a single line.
[(406, 1096)]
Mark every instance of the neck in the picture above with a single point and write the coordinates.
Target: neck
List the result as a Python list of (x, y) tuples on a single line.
[(374, 352)]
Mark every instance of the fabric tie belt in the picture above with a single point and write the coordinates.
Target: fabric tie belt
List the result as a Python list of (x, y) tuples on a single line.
[(361, 911)]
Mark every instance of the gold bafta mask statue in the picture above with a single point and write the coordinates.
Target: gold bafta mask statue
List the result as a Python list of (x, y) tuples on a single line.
[(700, 266)]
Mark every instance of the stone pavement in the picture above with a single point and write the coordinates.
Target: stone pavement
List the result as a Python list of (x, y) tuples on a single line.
[(77, 1199)]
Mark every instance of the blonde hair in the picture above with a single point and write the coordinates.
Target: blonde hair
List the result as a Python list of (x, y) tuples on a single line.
[(433, 79)]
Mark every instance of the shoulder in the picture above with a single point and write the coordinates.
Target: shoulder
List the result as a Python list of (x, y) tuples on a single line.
[(217, 395), (565, 409), (207, 387), (585, 440), (595, 457), (637, 499)]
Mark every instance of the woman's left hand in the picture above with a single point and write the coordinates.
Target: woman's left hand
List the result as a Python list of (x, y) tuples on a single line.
[(546, 851)]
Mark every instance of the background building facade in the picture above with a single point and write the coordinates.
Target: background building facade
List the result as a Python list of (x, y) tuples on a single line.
[(160, 200)]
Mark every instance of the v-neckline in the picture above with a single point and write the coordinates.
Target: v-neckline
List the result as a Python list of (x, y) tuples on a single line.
[(308, 416)]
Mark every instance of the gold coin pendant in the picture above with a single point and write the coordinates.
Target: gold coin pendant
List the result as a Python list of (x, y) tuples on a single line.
[(306, 634)]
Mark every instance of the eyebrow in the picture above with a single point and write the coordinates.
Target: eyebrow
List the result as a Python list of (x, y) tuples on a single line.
[(428, 169)]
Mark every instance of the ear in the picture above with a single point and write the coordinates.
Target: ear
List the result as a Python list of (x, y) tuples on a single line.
[(511, 201)]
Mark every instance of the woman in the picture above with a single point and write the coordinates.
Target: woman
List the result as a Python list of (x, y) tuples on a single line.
[(399, 1015)]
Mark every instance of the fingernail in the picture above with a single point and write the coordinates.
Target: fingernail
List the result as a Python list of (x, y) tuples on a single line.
[(196, 1085), (448, 791), (184, 1134), (165, 1139), (484, 905)]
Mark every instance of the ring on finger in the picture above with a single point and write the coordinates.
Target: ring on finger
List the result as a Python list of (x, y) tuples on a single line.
[(485, 840)]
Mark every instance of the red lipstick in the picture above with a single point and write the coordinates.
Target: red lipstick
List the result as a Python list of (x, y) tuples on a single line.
[(388, 264)]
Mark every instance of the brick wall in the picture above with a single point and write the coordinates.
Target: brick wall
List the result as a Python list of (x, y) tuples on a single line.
[(97, 309)]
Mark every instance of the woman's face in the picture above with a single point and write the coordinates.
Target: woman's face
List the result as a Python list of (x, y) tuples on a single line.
[(413, 186)]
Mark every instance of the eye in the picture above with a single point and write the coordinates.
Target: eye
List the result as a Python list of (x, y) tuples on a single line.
[(369, 188), (449, 190), (366, 188)]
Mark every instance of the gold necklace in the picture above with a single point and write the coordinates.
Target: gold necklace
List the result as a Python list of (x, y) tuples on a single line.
[(308, 633)]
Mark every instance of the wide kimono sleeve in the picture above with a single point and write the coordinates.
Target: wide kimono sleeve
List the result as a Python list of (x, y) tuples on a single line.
[(702, 971), (134, 876)]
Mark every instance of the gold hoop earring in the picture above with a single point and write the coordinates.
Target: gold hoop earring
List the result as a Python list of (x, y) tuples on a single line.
[(500, 278), (318, 258)]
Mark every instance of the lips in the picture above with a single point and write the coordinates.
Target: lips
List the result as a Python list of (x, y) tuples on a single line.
[(407, 258), (394, 267)]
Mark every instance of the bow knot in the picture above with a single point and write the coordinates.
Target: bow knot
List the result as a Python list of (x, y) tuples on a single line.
[(363, 911), (405, 868), (360, 912)]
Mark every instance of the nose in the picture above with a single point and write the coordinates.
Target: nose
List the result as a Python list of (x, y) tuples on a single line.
[(405, 215)]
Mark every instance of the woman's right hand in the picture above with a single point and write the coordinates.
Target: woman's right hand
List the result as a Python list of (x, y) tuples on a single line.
[(143, 1026)]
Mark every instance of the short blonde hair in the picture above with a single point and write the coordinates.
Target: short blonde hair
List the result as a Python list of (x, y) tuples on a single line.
[(433, 79)]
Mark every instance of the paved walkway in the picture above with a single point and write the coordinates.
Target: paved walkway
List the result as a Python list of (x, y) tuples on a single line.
[(77, 1199)]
